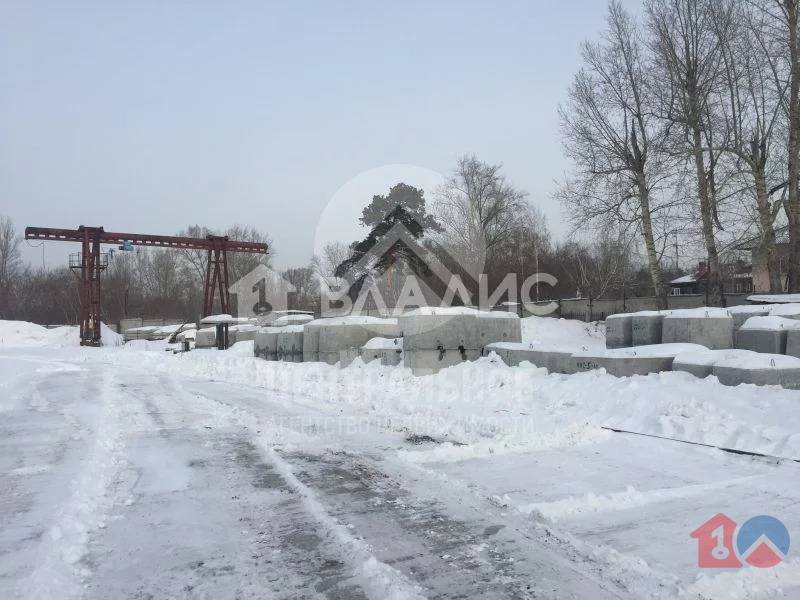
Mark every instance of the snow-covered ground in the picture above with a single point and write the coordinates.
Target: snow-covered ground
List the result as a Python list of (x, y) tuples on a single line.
[(138, 473)]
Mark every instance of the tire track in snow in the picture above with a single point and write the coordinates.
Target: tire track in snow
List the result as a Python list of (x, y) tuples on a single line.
[(378, 580), (60, 573)]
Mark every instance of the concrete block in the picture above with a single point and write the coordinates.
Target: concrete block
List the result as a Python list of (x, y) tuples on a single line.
[(311, 339), (242, 333), (266, 343), (646, 327), (388, 350), (290, 343), (626, 362), (770, 369), (344, 336), (793, 343), (740, 314), (787, 311), (554, 359), (709, 327), (701, 363), (619, 330), (348, 355), (457, 328), (429, 362), (206, 338), (512, 353), (388, 357), (769, 341)]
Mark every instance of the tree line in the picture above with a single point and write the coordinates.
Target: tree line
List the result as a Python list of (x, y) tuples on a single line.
[(686, 121)]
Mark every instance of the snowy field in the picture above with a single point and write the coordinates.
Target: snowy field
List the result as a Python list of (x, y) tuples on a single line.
[(131, 472)]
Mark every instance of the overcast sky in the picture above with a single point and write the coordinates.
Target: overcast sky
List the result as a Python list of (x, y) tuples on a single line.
[(146, 117)]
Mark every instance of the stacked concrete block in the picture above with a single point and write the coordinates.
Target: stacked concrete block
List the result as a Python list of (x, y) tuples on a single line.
[(311, 339), (709, 327), (626, 362), (734, 367), (435, 338), (619, 331), (741, 313), (241, 333), (388, 350), (289, 340), (759, 369), (266, 343), (787, 311), (555, 360), (351, 333), (206, 338), (646, 327), (793, 343), (765, 334)]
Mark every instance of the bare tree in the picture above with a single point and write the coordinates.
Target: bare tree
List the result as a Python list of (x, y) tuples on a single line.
[(688, 58), (477, 208), (751, 121), (10, 262), (612, 137)]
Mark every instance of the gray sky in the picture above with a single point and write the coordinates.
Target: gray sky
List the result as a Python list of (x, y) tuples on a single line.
[(146, 117)]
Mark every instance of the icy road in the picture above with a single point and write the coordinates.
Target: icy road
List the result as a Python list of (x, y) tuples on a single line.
[(131, 474)]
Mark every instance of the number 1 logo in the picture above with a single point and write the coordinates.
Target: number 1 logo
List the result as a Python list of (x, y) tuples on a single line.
[(715, 543)]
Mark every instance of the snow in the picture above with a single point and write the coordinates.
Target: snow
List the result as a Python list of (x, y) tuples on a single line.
[(352, 320), (142, 473), (785, 310), (745, 359), (774, 298), (706, 312), (563, 333), (655, 350), (288, 319), (771, 322), (18, 334), (685, 279), (379, 343)]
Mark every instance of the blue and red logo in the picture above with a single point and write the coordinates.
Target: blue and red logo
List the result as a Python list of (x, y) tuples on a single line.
[(762, 541)]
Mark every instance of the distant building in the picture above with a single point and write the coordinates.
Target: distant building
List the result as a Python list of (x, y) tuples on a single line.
[(759, 272), (693, 283)]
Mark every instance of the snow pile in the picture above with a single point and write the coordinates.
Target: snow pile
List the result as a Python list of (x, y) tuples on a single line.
[(785, 310), (484, 407), (771, 323), (15, 334), (379, 343), (704, 312), (292, 319), (774, 298), (563, 333)]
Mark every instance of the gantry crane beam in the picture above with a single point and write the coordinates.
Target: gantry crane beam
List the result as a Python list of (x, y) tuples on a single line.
[(91, 265)]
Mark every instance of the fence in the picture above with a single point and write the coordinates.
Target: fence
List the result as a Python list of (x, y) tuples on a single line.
[(588, 309)]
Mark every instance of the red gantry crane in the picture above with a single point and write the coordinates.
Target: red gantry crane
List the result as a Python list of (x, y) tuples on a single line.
[(91, 263)]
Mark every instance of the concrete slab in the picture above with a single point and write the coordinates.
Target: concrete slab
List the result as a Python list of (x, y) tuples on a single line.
[(345, 336), (429, 362), (701, 363), (646, 327), (741, 313), (788, 311), (290, 343), (457, 328), (619, 330), (772, 369), (347, 356), (769, 341), (206, 338), (387, 357), (793, 343), (388, 350), (709, 327), (626, 362), (266, 343)]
